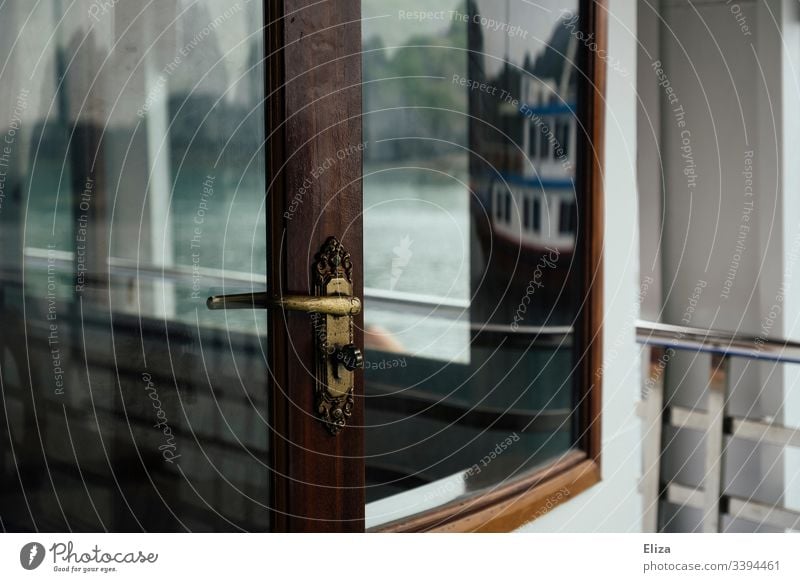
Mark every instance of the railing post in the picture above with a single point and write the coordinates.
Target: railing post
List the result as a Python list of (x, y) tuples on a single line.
[(714, 442), (653, 397)]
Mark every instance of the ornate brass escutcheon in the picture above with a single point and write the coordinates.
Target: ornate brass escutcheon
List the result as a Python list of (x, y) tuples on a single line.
[(337, 356), (332, 307)]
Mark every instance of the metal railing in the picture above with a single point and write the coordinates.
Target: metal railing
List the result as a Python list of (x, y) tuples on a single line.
[(717, 342), (715, 422)]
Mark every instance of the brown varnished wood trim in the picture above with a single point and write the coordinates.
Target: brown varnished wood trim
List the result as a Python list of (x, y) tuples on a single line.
[(313, 111), (521, 509), (590, 178), (274, 114), (510, 506)]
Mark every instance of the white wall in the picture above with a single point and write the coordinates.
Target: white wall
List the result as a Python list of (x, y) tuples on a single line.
[(789, 46), (740, 90), (614, 505)]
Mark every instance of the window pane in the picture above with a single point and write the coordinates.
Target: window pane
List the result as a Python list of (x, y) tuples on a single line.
[(526, 212), (537, 214), (136, 190), (469, 358), (567, 218)]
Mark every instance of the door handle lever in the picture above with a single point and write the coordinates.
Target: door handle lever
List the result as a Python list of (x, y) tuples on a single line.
[(336, 305), (333, 307)]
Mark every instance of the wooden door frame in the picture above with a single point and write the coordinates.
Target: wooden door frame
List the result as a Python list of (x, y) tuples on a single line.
[(313, 112)]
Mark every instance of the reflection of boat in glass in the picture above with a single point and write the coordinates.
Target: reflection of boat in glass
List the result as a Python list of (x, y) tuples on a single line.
[(525, 206), (535, 208)]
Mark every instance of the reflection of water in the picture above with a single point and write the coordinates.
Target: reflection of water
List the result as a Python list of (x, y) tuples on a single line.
[(435, 218), (416, 240), (227, 237)]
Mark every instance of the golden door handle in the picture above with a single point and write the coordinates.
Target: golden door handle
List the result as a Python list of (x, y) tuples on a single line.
[(336, 305), (332, 308)]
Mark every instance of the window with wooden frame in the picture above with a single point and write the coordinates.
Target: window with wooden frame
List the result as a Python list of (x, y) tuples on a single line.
[(482, 336), (414, 348)]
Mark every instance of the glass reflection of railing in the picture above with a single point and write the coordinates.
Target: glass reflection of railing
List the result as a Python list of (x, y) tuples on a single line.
[(544, 337), (62, 262), (411, 401)]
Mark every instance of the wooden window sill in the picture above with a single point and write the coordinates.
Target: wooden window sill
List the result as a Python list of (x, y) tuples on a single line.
[(506, 508)]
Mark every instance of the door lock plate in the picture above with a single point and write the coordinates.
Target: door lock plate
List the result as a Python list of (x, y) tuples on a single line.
[(332, 307), (337, 358)]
